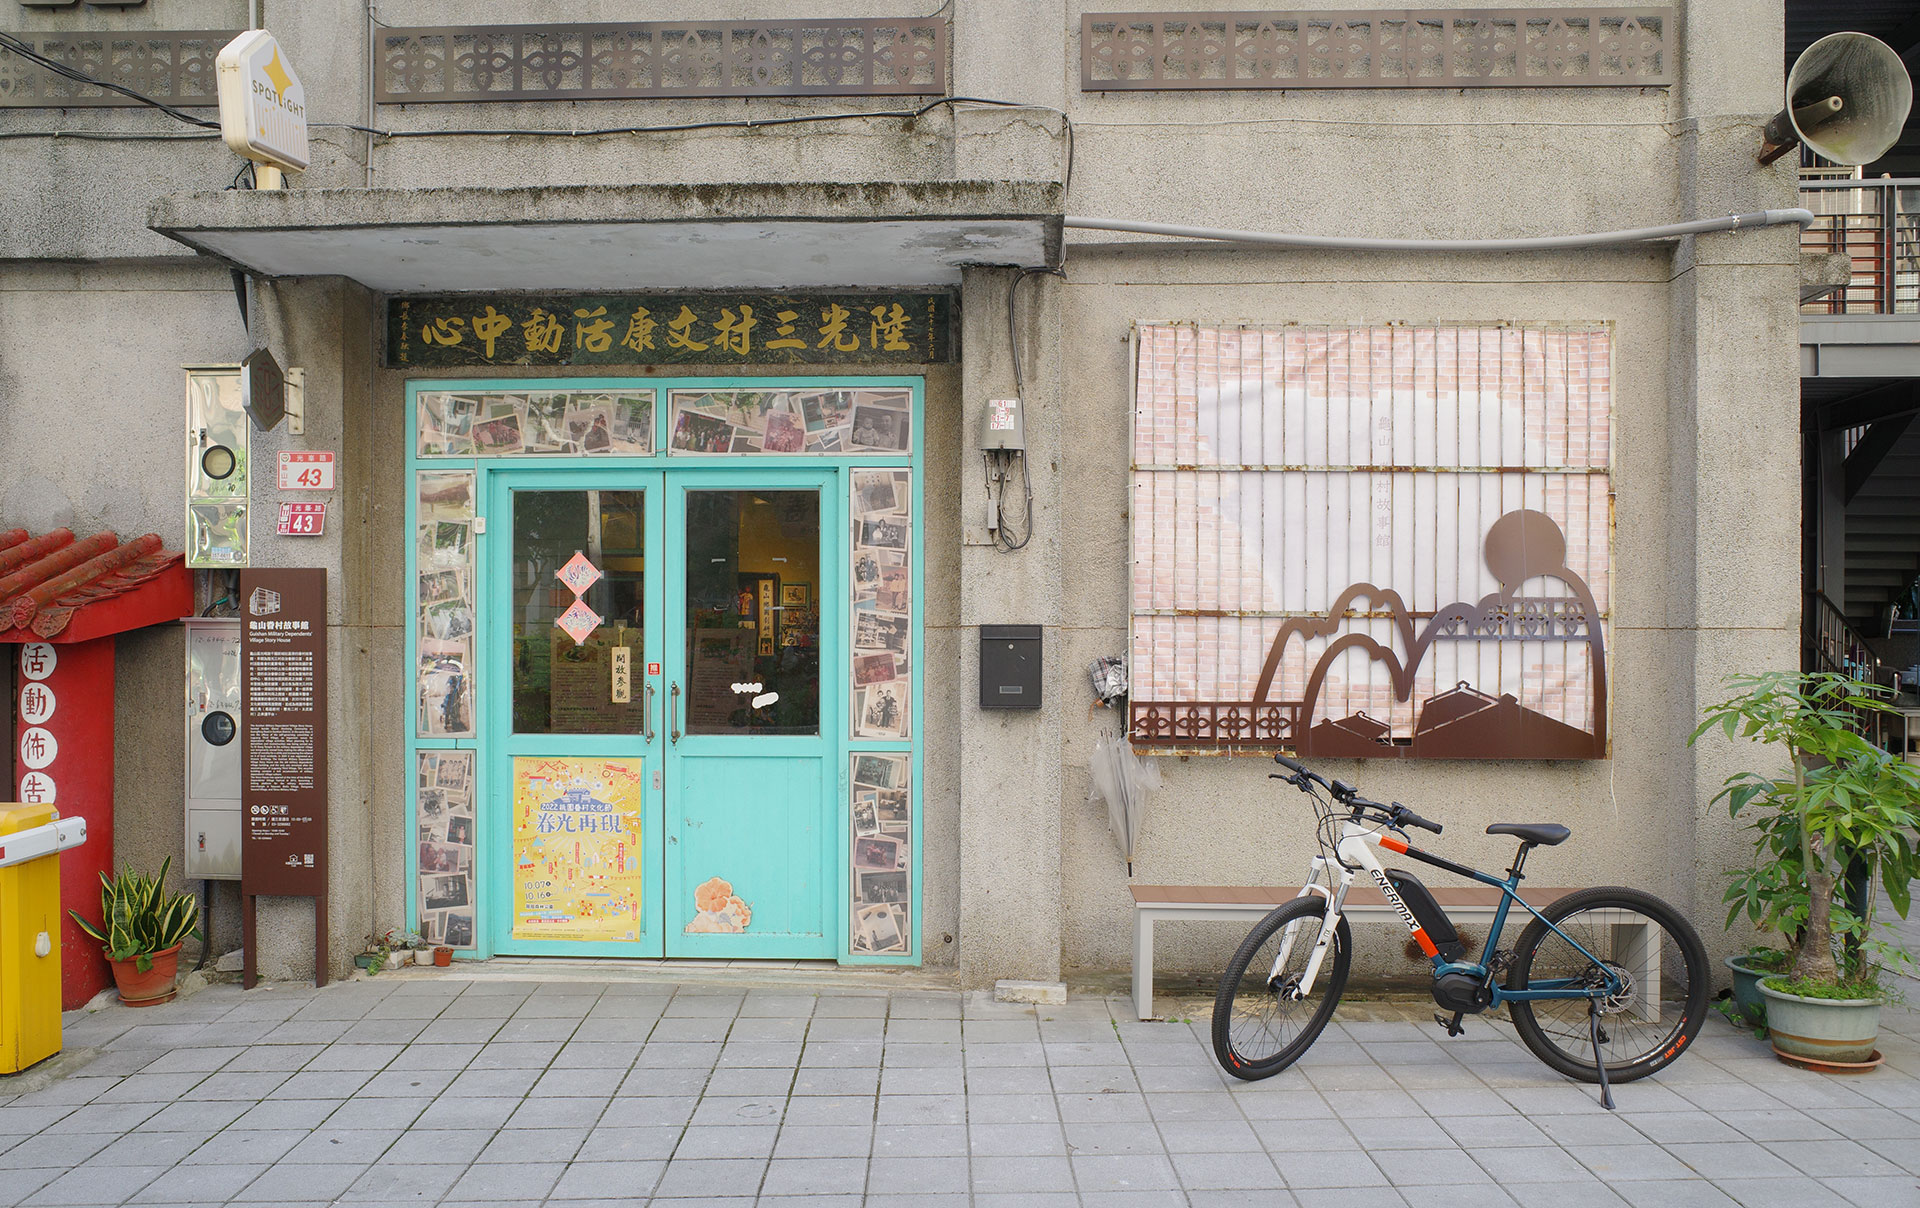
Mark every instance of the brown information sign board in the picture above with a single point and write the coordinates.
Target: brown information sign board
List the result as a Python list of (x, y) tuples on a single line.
[(283, 756), (446, 330)]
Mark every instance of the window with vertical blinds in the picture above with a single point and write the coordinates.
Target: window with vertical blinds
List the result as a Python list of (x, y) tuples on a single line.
[(1372, 542)]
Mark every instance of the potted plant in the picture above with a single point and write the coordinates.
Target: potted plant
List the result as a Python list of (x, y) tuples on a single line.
[(374, 959), (142, 927), (1840, 817)]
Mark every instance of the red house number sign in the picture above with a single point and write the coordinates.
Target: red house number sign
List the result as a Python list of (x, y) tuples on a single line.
[(302, 519), (306, 472)]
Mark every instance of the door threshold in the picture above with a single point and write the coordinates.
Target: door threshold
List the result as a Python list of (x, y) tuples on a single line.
[(684, 971)]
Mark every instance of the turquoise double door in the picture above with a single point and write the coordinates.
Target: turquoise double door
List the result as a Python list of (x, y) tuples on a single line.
[(664, 711)]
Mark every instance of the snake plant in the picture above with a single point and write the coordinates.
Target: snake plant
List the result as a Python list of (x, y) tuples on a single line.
[(141, 917)]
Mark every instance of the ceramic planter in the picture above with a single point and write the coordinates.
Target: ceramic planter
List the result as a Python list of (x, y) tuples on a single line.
[(423, 956), (1839, 1032), (151, 988), (1746, 984)]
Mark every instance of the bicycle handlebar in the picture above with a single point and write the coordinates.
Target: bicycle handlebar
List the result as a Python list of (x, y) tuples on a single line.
[(1396, 814)]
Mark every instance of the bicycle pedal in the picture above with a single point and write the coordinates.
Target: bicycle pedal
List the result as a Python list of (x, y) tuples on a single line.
[(1451, 1025)]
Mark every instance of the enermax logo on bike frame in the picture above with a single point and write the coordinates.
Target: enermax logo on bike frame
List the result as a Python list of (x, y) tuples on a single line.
[(1406, 916)]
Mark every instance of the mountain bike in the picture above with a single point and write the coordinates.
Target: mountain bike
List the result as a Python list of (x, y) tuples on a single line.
[(1604, 985)]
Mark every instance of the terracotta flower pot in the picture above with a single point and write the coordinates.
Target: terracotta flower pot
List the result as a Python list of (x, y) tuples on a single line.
[(443, 957), (151, 988)]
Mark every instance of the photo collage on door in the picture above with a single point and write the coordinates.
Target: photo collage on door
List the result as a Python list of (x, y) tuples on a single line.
[(881, 694), (444, 603), (790, 421), (882, 603), (537, 423), (444, 792), (881, 919)]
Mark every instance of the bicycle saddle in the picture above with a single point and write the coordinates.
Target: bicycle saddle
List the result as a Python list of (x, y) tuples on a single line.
[(1548, 833)]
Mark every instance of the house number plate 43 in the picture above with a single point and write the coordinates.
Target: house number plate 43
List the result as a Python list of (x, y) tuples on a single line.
[(302, 519)]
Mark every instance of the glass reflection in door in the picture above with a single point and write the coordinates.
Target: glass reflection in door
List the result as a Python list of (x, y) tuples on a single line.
[(753, 620), (561, 686)]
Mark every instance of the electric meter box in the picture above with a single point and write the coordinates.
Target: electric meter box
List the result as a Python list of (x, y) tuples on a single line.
[(213, 749), (1009, 666)]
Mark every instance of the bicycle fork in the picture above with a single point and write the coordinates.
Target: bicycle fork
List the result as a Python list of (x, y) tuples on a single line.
[(1323, 942)]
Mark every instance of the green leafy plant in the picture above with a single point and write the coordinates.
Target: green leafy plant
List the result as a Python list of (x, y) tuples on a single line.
[(140, 918), (1841, 815)]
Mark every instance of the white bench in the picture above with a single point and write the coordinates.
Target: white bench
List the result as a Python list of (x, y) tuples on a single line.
[(1170, 903)]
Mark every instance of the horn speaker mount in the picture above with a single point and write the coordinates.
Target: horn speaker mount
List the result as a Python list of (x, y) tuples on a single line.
[(1848, 97)]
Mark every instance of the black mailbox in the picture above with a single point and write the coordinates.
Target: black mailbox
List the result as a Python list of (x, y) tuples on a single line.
[(1009, 666)]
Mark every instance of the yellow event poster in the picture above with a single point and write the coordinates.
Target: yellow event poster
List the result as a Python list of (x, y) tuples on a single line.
[(576, 848)]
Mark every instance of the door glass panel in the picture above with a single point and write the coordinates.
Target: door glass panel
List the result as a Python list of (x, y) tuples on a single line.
[(561, 686), (753, 620)]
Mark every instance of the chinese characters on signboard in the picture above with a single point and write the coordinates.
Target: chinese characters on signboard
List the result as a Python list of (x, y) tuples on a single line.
[(669, 329), (283, 770)]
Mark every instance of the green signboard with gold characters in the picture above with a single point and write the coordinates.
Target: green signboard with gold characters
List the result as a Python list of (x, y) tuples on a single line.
[(447, 330)]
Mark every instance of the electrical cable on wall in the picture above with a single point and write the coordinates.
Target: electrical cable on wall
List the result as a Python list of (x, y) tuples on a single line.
[(1004, 438)]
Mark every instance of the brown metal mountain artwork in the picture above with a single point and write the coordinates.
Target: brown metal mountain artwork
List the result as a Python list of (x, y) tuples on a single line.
[(1462, 722)]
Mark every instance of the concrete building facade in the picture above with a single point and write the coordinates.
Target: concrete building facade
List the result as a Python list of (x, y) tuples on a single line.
[(118, 238)]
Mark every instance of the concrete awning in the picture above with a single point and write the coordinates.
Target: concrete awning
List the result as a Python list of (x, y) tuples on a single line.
[(627, 237)]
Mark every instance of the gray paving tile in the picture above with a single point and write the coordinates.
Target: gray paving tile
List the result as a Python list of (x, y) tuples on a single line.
[(920, 1140), (392, 1182), (621, 1182), (359, 1147), (579, 1113), (1124, 1172), (95, 1185), (247, 1147), (810, 1177), (1311, 1168), (824, 1141), (439, 1146), (377, 1112), (651, 1143), (287, 1182), (1033, 1175), (450, 1112), (725, 1141), (1410, 1167), (507, 1181), (898, 1175), (1629, 1163), (1204, 1172), (712, 1177), (198, 1184)]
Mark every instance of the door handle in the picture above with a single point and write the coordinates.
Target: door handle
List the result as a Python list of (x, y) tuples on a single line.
[(673, 713), (646, 715)]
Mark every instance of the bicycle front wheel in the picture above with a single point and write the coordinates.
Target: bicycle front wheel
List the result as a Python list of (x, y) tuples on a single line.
[(1649, 947), (1260, 1023)]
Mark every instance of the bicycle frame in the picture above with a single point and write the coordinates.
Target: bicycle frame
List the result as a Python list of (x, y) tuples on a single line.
[(1356, 852)]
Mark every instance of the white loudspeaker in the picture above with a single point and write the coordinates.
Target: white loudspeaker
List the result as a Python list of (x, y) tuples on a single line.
[(1848, 97)]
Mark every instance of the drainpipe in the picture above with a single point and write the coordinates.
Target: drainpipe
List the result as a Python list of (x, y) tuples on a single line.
[(1545, 243)]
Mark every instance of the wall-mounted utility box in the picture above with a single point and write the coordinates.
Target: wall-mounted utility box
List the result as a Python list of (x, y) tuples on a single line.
[(1009, 666), (213, 749)]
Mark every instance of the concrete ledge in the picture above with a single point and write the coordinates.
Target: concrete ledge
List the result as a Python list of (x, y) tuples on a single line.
[(642, 236), (1049, 994)]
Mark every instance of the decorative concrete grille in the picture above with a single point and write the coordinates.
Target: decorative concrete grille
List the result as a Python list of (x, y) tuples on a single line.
[(841, 57), (1390, 48), (1375, 542), (172, 66)]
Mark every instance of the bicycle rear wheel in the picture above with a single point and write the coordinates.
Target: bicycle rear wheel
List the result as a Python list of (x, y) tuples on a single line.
[(1257, 1029), (1650, 946)]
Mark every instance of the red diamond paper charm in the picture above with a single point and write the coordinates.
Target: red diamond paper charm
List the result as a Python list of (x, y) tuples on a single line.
[(578, 574), (578, 621)]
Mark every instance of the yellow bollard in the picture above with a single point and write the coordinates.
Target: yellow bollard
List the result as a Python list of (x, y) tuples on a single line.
[(29, 938)]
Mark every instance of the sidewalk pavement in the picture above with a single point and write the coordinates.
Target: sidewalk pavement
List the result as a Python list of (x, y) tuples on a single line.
[(510, 1085)]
